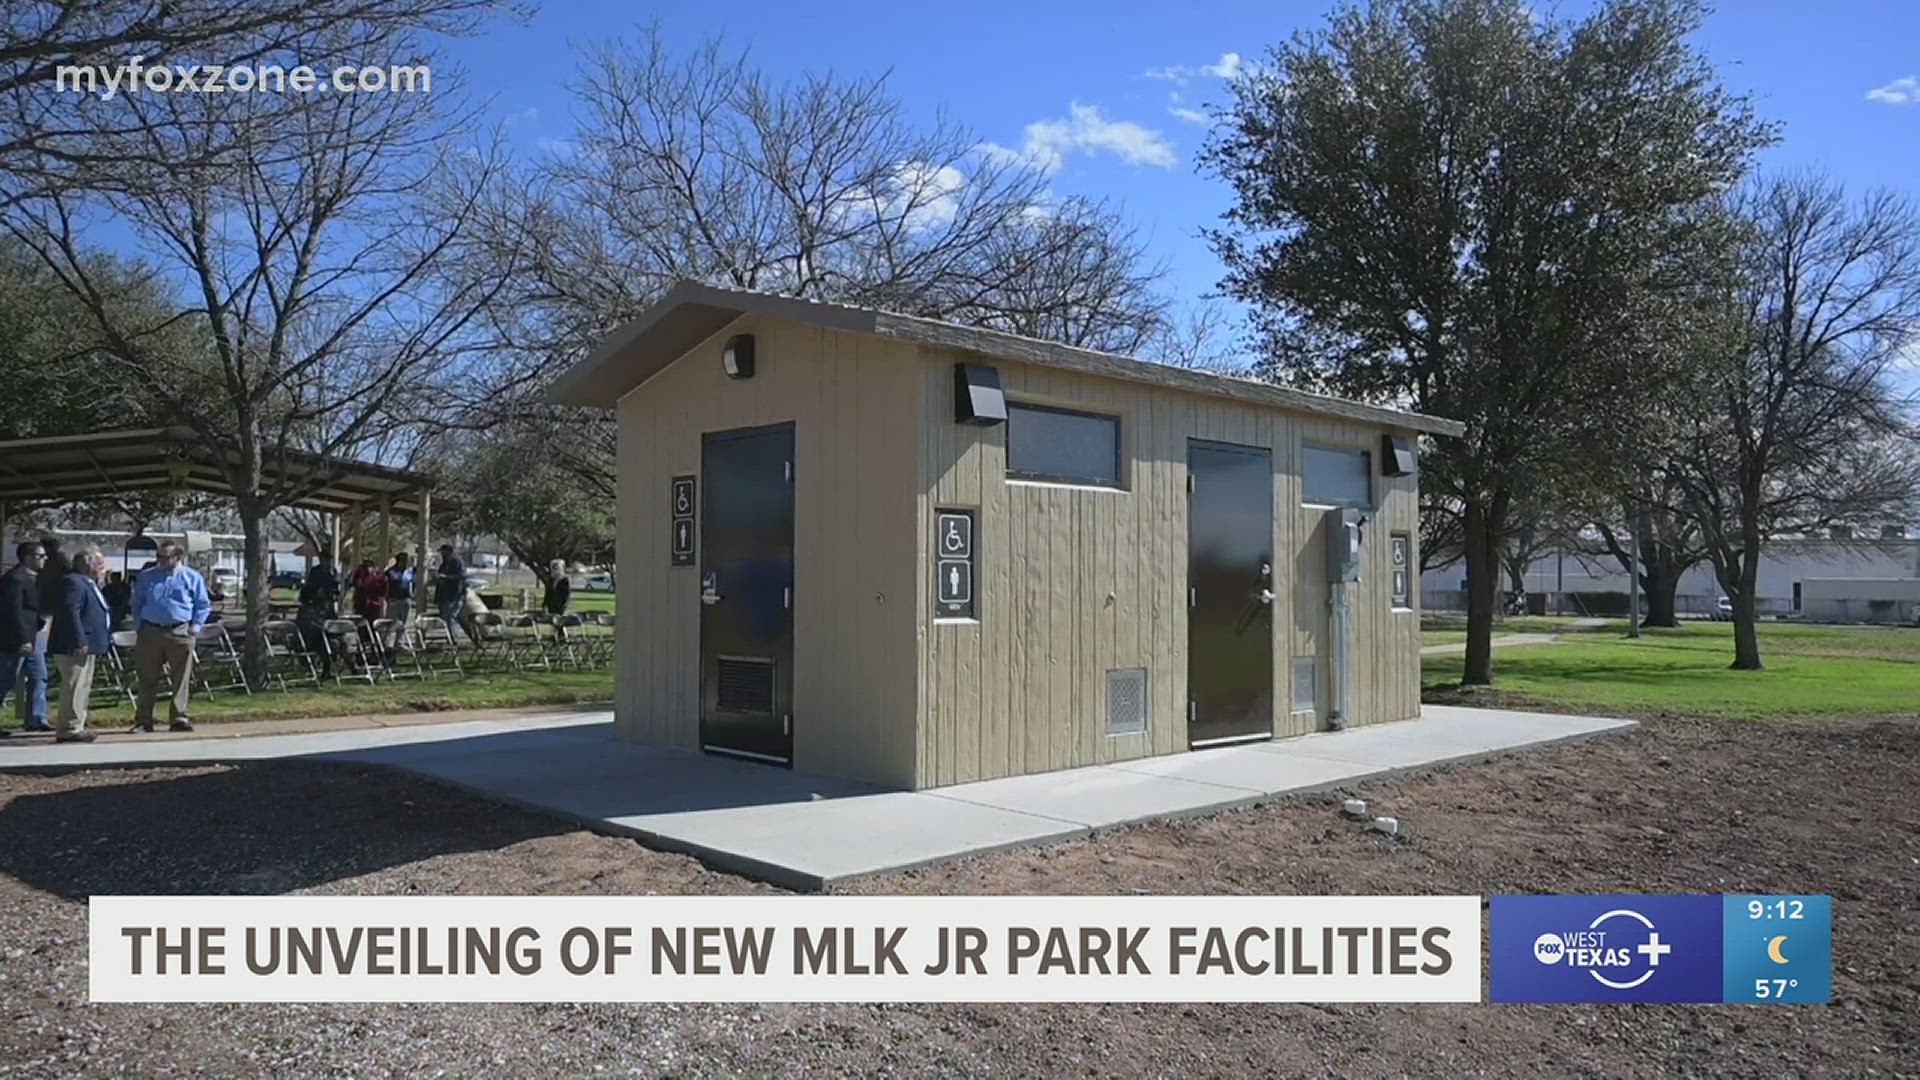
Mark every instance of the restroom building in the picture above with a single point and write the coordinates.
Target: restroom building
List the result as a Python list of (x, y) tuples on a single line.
[(895, 549)]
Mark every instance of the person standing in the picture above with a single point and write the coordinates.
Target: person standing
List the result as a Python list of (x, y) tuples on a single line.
[(560, 593), (119, 593), (369, 591), (81, 632), (450, 585), (23, 657), (170, 605), (400, 579)]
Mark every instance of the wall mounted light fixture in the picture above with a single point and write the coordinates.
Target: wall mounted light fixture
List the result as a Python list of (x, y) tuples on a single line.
[(737, 357)]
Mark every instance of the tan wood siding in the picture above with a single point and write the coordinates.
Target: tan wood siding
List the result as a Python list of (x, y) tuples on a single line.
[(855, 408), (1023, 689)]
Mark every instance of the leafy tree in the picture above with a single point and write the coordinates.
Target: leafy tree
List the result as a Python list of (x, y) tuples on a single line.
[(511, 485), (1484, 213)]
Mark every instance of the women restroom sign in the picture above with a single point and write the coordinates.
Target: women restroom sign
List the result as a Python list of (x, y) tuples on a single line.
[(953, 564)]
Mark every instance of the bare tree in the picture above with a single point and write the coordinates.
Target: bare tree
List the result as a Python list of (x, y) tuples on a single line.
[(1805, 428), (50, 138), (305, 274), (700, 167), (1206, 337)]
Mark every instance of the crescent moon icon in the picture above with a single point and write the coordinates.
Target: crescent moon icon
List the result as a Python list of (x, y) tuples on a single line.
[(1773, 950)]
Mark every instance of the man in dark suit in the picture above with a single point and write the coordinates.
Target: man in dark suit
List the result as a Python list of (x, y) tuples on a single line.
[(82, 633), (23, 664)]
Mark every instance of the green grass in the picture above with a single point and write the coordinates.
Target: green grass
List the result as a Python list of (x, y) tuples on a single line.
[(1810, 671), (588, 602), (489, 690)]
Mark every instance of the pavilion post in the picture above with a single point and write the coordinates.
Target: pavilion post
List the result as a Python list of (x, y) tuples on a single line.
[(386, 529), (423, 515)]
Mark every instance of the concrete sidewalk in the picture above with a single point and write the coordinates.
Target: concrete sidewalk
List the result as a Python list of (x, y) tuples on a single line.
[(807, 832)]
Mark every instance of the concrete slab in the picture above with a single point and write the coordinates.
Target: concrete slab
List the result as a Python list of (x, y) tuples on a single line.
[(1097, 797), (811, 845), (1248, 768), (805, 831)]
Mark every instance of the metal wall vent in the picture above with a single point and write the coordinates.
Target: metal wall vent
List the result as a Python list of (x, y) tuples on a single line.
[(745, 684), (1126, 701), (1306, 684)]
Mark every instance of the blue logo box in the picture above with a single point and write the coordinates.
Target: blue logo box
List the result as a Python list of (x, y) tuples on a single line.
[(1627, 947), (1606, 948)]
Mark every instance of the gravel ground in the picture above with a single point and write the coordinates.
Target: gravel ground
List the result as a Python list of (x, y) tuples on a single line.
[(1790, 806)]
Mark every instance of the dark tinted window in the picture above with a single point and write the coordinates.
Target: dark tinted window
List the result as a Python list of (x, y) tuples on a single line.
[(1062, 445)]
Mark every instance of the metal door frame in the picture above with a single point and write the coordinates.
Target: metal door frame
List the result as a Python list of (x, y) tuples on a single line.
[(783, 660), (1273, 624)]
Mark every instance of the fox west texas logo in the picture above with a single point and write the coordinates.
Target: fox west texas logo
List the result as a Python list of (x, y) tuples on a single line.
[(1605, 948), (1605, 951)]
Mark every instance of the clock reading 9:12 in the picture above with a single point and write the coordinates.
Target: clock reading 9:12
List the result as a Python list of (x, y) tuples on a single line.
[(1778, 909)]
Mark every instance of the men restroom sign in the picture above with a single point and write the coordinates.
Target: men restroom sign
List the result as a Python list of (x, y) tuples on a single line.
[(953, 564), (682, 509)]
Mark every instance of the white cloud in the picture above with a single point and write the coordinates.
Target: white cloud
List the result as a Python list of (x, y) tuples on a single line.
[(1228, 66), (917, 195), (1048, 142), (1898, 92), (1178, 107)]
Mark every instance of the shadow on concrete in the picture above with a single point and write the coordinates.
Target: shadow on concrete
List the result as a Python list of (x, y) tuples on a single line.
[(255, 828), (584, 771)]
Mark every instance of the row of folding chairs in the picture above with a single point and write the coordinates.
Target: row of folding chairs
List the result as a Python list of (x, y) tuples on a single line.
[(355, 649)]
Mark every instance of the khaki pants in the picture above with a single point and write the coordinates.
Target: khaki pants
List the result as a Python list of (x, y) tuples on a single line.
[(152, 647), (76, 686)]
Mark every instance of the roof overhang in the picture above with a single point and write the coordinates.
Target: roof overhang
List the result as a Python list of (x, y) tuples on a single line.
[(69, 468), (690, 313)]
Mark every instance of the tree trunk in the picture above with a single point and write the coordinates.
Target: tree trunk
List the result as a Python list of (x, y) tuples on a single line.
[(258, 567), (1662, 582), (1483, 586), (1746, 632)]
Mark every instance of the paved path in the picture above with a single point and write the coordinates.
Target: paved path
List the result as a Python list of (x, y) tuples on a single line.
[(805, 831), (1501, 641)]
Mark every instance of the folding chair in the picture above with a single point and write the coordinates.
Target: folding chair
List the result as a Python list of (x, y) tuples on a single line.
[(435, 639), (213, 651), (349, 651), (569, 632), (395, 643), (523, 635), (287, 653), (120, 663)]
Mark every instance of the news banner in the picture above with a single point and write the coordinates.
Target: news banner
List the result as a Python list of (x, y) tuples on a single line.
[(1540, 948)]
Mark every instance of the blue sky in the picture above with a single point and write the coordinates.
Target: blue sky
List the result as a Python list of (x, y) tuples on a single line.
[(1095, 77)]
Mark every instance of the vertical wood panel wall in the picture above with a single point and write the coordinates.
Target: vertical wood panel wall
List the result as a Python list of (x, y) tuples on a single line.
[(855, 406), (1071, 581), (1074, 581)]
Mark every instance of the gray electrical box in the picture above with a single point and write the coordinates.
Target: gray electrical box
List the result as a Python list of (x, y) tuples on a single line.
[(1343, 544)]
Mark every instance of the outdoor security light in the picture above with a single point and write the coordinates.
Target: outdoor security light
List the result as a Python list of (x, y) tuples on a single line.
[(977, 397), (738, 357), (1396, 455)]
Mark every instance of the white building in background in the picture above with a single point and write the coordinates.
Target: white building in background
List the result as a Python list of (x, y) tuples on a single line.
[(1851, 574), (206, 551)]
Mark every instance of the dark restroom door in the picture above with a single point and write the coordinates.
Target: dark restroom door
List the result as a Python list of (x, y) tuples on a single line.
[(1230, 598), (746, 593)]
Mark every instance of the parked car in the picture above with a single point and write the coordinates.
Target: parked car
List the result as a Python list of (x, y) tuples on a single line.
[(287, 579), (1723, 610), (599, 582)]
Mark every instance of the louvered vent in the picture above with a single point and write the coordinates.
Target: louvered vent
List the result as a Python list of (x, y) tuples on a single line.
[(745, 685), (1126, 701)]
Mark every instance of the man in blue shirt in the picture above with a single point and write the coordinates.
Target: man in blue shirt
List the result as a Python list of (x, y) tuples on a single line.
[(170, 605)]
